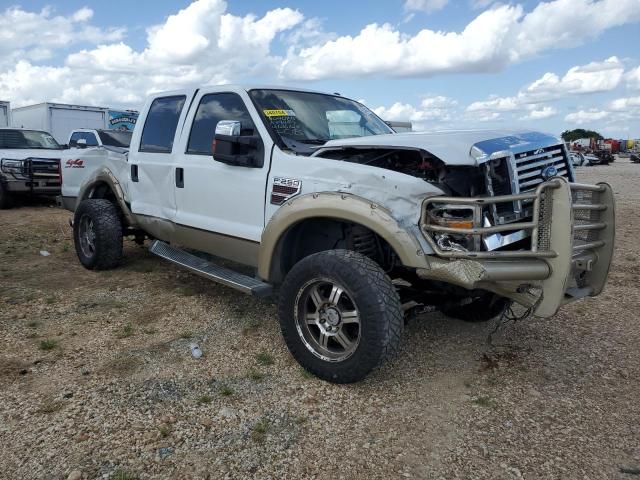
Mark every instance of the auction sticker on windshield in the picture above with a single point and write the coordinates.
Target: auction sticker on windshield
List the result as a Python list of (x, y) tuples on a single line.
[(279, 113)]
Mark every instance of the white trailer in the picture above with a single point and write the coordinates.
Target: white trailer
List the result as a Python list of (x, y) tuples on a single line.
[(60, 119), (5, 114), (400, 127)]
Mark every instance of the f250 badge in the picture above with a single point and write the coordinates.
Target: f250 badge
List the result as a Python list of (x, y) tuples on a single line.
[(283, 189), (77, 163)]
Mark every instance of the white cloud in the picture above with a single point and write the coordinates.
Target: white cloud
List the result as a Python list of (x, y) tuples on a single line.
[(625, 104), (541, 114), (591, 78), (432, 110), (425, 5), (35, 36), (495, 103), (633, 78), (200, 44), (586, 116), (579, 80), (497, 37)]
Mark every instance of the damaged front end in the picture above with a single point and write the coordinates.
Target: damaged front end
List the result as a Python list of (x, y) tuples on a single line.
[(510, 221), (570, 237)]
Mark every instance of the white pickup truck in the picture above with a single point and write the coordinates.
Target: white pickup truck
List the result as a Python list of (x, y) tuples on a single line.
[(29, 164), (355, 225), (89, 150)]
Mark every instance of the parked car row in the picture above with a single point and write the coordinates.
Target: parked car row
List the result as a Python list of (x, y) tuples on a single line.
[(580, 159), (31, 160)]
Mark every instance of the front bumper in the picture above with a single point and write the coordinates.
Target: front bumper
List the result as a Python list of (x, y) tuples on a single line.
[(572, 239), (19, 186)]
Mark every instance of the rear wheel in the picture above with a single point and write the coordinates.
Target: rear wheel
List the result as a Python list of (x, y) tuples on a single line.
[(479, 308), (340, 315), (97, 234)]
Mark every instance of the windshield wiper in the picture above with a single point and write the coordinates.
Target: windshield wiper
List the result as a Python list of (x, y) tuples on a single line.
[(314, 141)]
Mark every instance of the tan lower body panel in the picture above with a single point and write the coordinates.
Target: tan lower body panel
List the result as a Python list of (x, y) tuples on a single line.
[(235, 249)]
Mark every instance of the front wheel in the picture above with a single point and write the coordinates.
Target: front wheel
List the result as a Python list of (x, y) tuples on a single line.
[(97, 234), (5, 200), (340, 315)]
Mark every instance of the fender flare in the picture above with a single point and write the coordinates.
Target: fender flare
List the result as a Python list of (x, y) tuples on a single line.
[(339, 206), (104, 175)]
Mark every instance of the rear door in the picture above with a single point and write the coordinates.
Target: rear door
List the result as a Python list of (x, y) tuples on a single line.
[(151, 176)]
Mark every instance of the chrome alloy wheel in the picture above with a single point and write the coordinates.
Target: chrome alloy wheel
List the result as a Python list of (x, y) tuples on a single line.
[(327, 320), (87, 236)]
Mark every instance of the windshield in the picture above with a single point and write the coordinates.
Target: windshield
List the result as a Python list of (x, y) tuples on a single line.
[(23, 139), (115, 138), (303, 120)]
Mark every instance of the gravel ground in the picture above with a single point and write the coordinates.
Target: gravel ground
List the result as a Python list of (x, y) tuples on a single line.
[(97, 380)]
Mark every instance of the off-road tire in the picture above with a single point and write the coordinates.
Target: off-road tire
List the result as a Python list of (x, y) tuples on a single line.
[(5, 199), (107, 226), (481, 309), (381, 320)]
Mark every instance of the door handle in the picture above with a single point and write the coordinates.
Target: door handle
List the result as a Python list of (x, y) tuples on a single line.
[(134, 173), (180, 177)]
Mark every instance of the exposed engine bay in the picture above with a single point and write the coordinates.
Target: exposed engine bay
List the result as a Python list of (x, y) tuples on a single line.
[(464, 181)]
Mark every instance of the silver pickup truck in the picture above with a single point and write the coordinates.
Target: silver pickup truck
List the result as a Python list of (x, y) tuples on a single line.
[(354, 226), (29, 164)]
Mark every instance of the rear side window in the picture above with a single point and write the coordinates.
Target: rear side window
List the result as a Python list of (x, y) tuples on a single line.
[(88, 136), (161, 123), (212, 109)]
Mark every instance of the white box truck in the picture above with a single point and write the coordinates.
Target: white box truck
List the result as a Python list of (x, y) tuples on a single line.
[(60, 119), (400, 127), (5, 114)]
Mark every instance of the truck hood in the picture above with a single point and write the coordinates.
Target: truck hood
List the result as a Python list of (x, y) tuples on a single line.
[(22, 153), (453, 147)]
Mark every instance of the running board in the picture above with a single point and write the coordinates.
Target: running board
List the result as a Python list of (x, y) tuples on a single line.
[(206, 269)]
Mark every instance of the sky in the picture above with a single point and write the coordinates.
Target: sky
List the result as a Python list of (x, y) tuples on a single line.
[(441, 64)]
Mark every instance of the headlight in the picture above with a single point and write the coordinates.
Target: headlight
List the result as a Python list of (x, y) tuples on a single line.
[(11, 166), (455, 217)]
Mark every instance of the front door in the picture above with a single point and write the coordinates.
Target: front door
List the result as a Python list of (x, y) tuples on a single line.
[(222, 201)]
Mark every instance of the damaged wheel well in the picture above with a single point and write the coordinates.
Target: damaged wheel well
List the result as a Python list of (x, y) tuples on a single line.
[(102, 190), (320, 234)]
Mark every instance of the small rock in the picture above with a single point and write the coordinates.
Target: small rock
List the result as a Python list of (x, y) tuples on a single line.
[(226, 412), (44, 253), (164, 452), (75, 475)]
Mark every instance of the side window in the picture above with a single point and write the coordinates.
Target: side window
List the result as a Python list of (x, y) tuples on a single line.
[(75, 136), (91, 139), (212, 109), (161, 123)]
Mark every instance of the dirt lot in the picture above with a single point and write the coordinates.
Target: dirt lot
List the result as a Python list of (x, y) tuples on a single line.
[(97, 380)]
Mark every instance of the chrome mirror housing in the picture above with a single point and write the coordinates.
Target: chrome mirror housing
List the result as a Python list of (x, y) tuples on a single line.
[(230, 128)]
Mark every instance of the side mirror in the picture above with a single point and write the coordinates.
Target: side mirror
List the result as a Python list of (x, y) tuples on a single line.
[(232, 148), (73, 143), (81, 143)]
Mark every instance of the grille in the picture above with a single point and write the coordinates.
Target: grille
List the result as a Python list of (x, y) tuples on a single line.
[(530, 165), (585, 216), (44, 168), (544, 221)]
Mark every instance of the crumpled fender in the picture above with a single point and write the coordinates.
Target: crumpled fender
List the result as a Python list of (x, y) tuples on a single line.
[(339, 206), (104, 175)]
